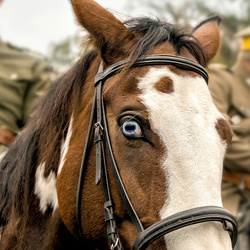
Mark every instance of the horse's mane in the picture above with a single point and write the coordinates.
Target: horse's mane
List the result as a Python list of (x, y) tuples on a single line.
[(46, 128), (48, 125)]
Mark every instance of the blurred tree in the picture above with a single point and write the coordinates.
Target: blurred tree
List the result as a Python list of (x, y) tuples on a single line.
[(235, 14), (63, 52), (67, 51)]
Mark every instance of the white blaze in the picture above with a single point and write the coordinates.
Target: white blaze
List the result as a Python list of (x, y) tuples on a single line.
[(185, 121)]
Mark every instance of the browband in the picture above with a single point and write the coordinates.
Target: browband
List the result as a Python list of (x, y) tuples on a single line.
[(149, 60)]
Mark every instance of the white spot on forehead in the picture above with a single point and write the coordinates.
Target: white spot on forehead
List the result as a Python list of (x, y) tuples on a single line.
[(185, 120), (65, 146), (45, 189)]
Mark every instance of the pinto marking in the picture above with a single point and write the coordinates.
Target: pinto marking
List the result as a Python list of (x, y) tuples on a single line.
[(185, 119), (45, 189), (65, 146)]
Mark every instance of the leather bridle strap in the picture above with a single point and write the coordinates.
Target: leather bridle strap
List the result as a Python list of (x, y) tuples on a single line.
[(187, 218), (133, 215), (151, 60), (101, 171)]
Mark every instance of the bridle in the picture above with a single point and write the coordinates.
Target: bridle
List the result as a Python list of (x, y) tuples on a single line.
[(103, 145)]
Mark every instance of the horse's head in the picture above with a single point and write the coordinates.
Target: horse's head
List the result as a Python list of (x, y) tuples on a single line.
[(168, 139)]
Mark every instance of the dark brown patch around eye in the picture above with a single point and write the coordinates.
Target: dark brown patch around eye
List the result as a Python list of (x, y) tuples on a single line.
[(224, 130), (165, 85)]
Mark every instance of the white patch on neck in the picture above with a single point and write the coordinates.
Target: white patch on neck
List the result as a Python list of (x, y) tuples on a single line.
[(65, 146), (185, 121), (45, 189)]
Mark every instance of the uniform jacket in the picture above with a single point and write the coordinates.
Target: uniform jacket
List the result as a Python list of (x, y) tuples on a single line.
[(230, 89), (23, 79)]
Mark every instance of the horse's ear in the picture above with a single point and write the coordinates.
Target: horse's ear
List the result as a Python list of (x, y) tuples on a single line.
[(108, 32), (208, 34)]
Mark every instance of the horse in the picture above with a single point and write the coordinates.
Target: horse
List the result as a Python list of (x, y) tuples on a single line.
[(126, 148)]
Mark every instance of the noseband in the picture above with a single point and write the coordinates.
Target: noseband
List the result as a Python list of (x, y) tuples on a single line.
[(103, 145)]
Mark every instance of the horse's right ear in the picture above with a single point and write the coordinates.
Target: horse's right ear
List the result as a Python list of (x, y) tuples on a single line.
[(208, 35), (108, 32)]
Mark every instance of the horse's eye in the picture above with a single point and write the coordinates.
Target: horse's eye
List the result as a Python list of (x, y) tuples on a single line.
[(131, 128)]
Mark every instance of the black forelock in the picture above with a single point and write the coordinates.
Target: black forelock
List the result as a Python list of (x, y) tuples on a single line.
[(155, 31)]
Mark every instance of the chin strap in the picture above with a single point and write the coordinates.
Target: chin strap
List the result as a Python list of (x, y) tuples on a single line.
[(184, 219)]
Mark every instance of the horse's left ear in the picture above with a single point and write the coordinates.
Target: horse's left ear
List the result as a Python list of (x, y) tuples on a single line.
[(208, 34), (111, 37)]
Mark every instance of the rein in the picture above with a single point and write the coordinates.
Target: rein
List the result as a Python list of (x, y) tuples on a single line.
[(103, 144)]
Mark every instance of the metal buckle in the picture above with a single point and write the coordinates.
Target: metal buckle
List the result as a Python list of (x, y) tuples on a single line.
[(113, 246), (98, 124)]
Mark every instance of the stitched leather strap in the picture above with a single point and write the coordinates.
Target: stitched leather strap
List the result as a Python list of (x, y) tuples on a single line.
[(151, 60), (237, 178), (6, 136), (133, 215), (184, 219)]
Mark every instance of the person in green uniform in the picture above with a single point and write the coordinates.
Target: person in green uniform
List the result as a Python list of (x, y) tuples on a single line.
[(23, 79), (230, 89)]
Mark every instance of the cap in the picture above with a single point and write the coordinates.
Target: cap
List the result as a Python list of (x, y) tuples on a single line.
[(244, 33), (245, 37)]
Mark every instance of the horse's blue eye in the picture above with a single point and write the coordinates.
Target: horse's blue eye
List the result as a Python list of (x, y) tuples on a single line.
[(132, 129)]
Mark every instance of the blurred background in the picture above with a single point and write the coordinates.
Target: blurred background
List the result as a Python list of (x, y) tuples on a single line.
[(49, 26)]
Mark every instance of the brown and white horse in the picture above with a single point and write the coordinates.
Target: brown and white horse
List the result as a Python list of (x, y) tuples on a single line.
[(168, 140)]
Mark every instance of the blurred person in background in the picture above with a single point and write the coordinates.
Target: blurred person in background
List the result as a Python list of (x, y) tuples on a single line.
[(23, 79), (230, 89)]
